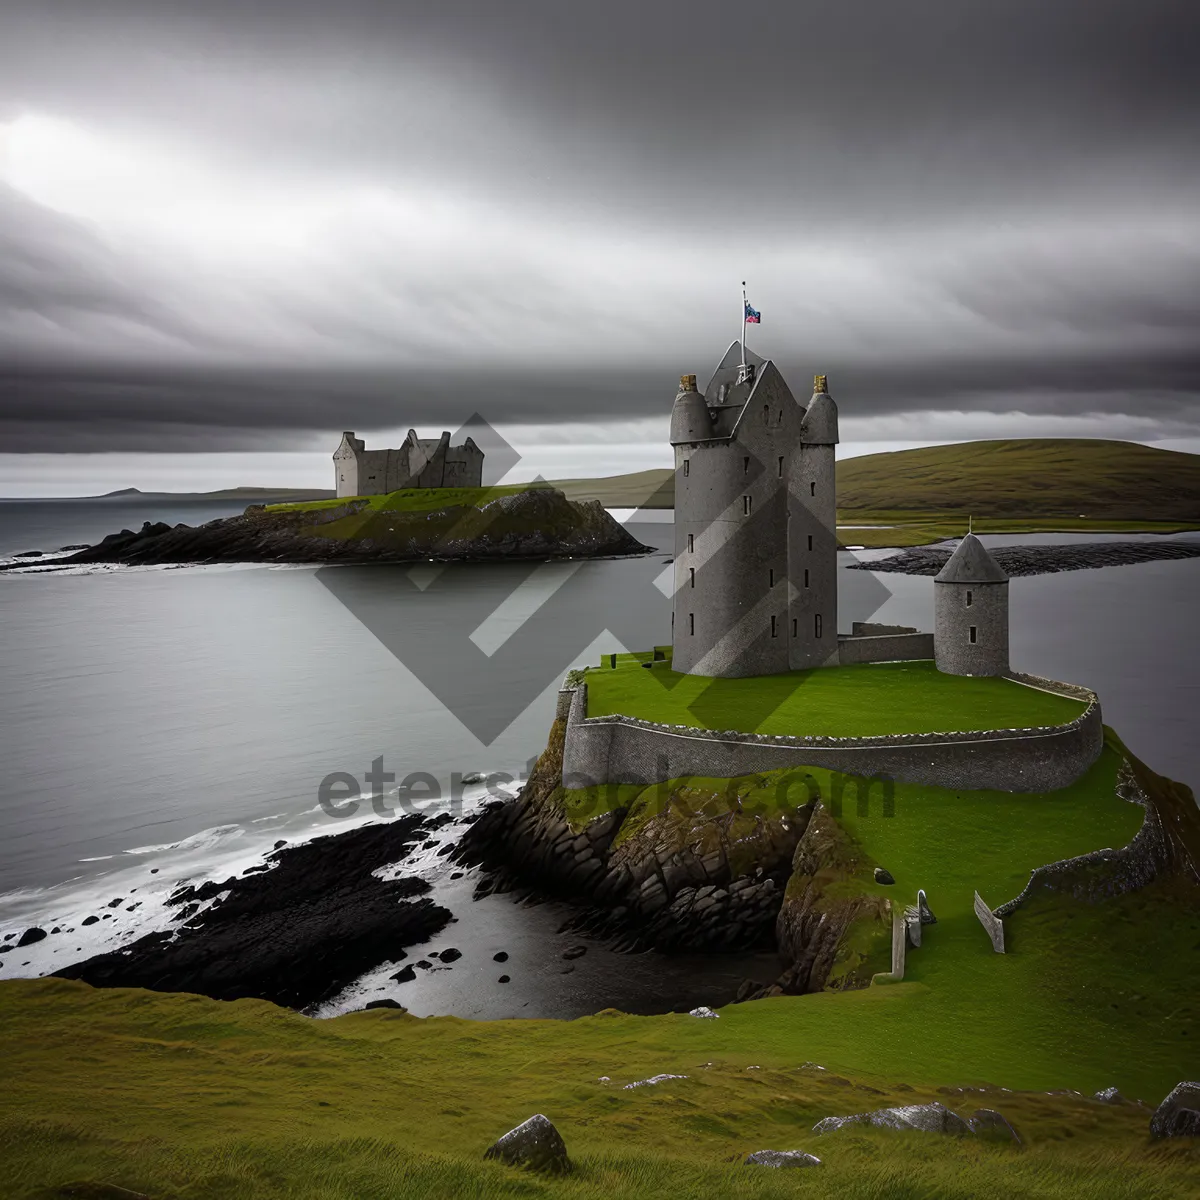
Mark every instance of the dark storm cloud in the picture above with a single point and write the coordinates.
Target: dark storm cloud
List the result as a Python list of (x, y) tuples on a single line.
[(946, 205)]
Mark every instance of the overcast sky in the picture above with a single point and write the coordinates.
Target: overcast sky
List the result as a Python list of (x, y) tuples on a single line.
[(228, 227)]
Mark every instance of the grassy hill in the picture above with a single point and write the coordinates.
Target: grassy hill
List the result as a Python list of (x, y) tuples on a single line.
[(1029, 477), (1042, 479)]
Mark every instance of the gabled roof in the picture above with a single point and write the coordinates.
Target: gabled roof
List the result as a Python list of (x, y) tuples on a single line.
[(971, 563)]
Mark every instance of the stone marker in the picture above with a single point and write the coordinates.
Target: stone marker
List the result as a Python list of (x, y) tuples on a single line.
[(535, 1144), (929, 1118), (1179, 1114), (992, 923), (781, 1158), (987, 1123)]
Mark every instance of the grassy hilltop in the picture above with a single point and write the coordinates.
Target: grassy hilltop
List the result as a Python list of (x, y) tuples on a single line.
[(1014, 485)]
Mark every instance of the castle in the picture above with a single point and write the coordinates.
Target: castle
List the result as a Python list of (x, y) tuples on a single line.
[(420, 462), (756, 542)]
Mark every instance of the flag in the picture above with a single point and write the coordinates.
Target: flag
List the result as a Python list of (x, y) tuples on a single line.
[(753, 316)]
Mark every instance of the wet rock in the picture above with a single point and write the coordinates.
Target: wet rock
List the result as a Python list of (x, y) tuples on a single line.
[(500, 956), (450, 955), (117, 902), (574, 952), (781, 1158), (280, 844), (154, 870), (405, 974), (987, 1123), (534, 1144), (424, 964), (929, 1118), (56, 929), (89, 920), (1179, 1114), (883, 876), (388, 1002), (504, 979), (445, 849), (1110, 1095), (31, 935), (456, 874)]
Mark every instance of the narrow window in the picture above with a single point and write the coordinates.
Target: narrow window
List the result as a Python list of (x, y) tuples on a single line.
[(766, 414), (687, 465), (774, 626), (612, 662), (692, 576), (771, 578), (746, 465), (812, 489), (746, 501), (817, 625), (692, 623), (781, 466), (810, 541), (793, 627), (968, 599), (974, 639), (691, 543), (806, 577)]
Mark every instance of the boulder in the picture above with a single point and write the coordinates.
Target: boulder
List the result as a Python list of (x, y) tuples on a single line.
[(882, 875), (781, 1158), (929, 1118), (534, 1144), (31, 935), (1179, 1114), (405, 974), (450, 954), (987, 1123), (705, 1013), (1110, 1095), (500, 956), (385, 1003)]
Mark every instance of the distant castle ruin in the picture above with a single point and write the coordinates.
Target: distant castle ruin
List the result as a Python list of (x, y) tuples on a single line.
[(418, 463), (756, 542)]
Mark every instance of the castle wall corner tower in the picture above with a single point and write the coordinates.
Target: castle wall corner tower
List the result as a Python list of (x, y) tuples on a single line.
[(970, 612)]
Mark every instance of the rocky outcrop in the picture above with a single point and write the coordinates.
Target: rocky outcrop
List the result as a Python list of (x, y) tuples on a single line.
[(831, 928), (539, 523), (928, 1118), (1039, 560), (295, 934), (781, 1158), (534, 1144)]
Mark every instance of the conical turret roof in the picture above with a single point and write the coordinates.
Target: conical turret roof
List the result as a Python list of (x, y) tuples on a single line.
[(971, 563)]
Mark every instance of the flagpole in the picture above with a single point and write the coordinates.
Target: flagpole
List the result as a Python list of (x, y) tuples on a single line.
[(743, 371)]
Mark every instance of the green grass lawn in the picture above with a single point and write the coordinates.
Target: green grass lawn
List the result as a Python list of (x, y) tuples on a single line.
[(853, 701), (411, 499)]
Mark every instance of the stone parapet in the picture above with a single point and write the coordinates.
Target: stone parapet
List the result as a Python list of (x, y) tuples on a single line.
[(621, 749)]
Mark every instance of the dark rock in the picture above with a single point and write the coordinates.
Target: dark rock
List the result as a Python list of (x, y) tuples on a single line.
[(574, 952), (451, 955), (424, 964), (503, 979), (8, 949), (89, 920), (280, 844), (923, 909), (1179, 1114), (929, 1118), (884, 876), (295, 935), (445, 849), (31, 935), (116, 903), (456, 874), (781, 1158), (534, 1144), (56, 929), (988, 1123), (29, 554), (77, 546), (1038, 560), (386, 1003), (405, 974), (153, 870), (500, 956)]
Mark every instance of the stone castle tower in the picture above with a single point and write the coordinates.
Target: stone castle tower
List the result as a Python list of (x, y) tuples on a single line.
[(755, 523), (970, 612)]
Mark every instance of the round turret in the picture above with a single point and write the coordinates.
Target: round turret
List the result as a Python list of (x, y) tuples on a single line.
[(820, 424), (970, 605), (690, 421)]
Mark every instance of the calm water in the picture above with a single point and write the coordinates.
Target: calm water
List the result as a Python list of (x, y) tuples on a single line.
[(181, 720)]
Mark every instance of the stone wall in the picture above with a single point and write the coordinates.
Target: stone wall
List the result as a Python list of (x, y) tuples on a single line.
[(619, 749), (895, 647)]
